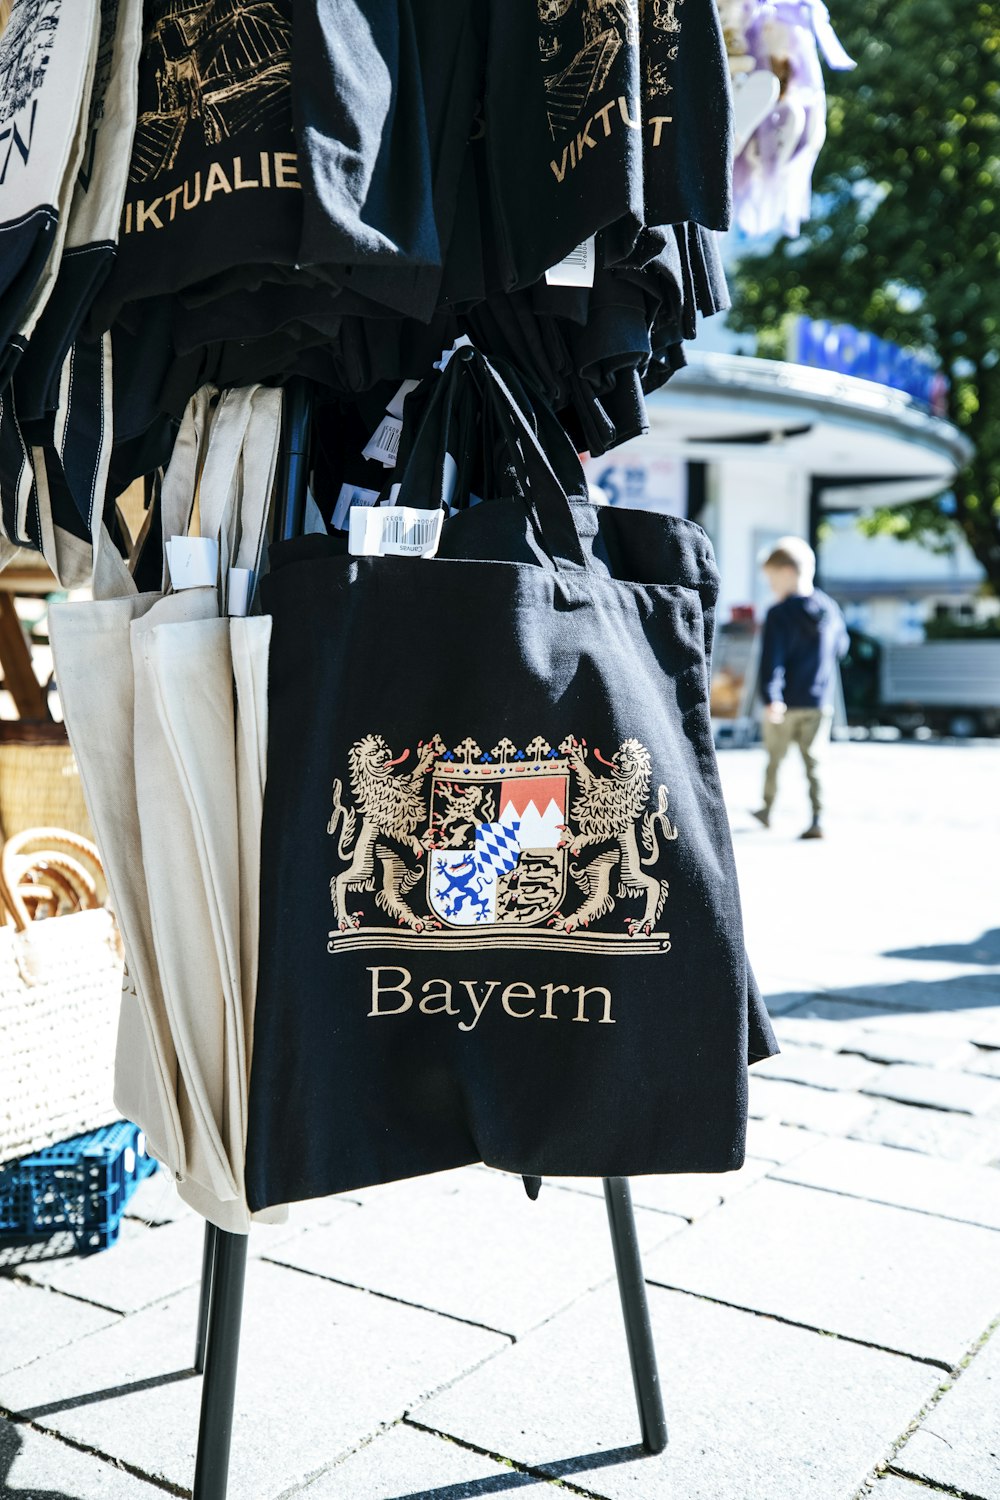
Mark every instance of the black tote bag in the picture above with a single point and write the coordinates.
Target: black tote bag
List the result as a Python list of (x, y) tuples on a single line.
[(499, 912)]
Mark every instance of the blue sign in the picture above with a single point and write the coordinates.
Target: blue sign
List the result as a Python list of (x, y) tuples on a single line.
[(849, 351)]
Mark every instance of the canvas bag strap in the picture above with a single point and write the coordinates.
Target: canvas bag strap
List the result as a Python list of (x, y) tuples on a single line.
[(441, 429), (542, 491), (180, 479), (259, 465), (552, 437), (238, 476), (537, 484), (219, 491)]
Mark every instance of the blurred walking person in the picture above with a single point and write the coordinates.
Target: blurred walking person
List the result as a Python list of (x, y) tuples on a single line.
[(804, 639)]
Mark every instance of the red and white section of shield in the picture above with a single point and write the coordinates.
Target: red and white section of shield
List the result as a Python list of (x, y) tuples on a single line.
[(538, 805)]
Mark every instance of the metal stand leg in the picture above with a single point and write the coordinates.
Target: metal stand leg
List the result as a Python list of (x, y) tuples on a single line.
[(632, 1288), (207, 1274), (222, 1353)]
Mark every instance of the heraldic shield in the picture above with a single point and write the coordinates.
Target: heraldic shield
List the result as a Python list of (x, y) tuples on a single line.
[(523, 847), (497, 830)]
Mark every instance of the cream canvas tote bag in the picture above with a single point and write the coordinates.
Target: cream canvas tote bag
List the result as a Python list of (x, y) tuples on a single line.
[(199, 747), (175, 793), (93, 659)]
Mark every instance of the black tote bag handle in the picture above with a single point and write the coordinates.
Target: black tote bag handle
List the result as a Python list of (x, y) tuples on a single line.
[(544, 463), (549, 467), (439, 417), (537, 480)]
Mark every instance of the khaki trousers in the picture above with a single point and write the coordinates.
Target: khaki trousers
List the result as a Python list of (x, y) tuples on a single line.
[(800, 726)]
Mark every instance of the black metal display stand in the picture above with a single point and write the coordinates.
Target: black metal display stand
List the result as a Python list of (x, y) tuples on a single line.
[(225, 1255)]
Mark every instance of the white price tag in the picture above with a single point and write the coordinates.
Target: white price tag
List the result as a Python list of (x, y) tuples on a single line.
[(577, 268), (351, 494), (462, 342), (395, 531), (383, 445), (449, 482), (193, 562), (240, 591), (395, 407)]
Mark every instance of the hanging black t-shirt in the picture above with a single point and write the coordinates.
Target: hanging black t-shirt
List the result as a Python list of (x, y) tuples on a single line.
[(687, 108), (361, 126), (563, 126), (604, 113), (449, 40), (214, 179)]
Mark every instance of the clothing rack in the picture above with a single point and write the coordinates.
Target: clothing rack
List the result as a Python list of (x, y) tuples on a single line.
[(225, 1254)]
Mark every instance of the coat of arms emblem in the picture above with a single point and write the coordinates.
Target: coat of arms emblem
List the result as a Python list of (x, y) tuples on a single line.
[(497, 850), (526, 843)]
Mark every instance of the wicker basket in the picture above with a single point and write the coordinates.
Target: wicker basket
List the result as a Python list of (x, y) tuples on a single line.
[(39, 781), (60, 990)]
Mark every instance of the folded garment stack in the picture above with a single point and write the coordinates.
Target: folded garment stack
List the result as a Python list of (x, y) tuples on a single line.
[(340, 189)]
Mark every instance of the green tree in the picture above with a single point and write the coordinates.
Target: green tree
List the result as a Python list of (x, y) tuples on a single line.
[(905, 236)]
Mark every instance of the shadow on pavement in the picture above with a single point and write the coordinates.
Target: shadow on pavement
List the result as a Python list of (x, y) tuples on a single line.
[(970, 992), (91, 1398), (983, 950), (11, 1443), (496, 1484), (14, 1253)]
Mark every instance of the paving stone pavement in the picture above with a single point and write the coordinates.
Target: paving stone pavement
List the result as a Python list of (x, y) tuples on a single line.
[(805, 1255), (507, 1266), (959, 1444), (36, 1467), (906, 1179), (822, 1411), (892, 1487), (960, 1093), (445, 1339)]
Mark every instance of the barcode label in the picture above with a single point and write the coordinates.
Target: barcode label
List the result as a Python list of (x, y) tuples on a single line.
[(383, 445), (577, 268), (351, 494), (395, 531)]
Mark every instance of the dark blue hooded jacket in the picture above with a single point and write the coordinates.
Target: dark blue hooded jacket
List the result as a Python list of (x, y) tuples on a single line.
[(804, 638)]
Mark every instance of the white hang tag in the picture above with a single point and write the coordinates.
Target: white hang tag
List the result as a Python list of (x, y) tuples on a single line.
[(449, 482), (577, 268), (240, 591), (395, 407), (383, 445), (193, 562), (462, 342), (350, 494), (395, 531), (313, 523)]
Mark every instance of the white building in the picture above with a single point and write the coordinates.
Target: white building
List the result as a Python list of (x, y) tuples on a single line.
[(753, 449), (888, 589)]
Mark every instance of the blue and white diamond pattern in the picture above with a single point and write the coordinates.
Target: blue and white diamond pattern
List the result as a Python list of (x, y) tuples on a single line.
[(497, 847)]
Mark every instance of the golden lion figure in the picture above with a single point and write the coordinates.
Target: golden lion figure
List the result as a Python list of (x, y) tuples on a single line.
[(465, 808), (608, 809), (392, 807)]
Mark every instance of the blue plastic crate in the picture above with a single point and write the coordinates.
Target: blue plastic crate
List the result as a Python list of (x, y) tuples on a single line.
[(80, 1187)]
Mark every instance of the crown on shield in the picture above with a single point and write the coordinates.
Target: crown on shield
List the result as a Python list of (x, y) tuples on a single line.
[(467, 752)]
